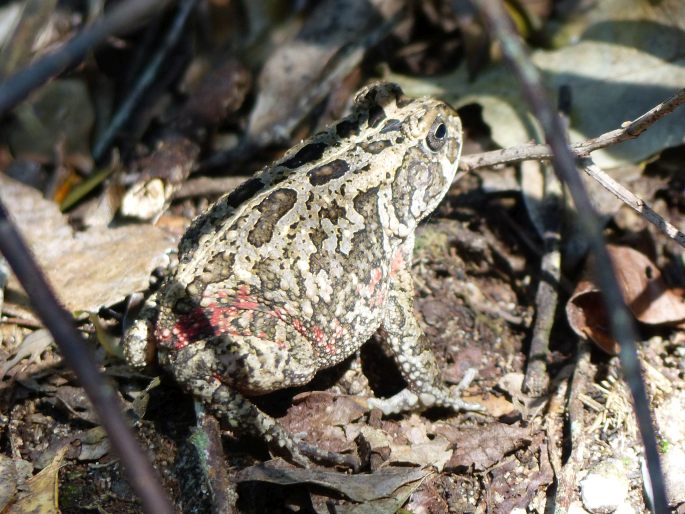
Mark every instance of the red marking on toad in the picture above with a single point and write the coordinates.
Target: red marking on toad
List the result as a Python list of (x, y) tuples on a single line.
[(397, 263)]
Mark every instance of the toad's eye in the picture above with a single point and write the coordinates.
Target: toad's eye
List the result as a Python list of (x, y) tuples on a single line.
[(437, 136)]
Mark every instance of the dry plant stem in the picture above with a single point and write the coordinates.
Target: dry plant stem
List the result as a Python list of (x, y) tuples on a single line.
[(206, 441), (631, 200), (555, 419), (567, 480), (544, 152), (22, 322), (77, 355), (125, 17), (145, 80), (536, 380), (546, 298), (621, 322)]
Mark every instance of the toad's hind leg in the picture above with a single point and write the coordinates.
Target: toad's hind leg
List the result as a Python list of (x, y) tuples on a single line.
[(224, 370), (242, 415)]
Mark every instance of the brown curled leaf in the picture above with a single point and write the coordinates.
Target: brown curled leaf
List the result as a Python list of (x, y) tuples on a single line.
[(643, 288)]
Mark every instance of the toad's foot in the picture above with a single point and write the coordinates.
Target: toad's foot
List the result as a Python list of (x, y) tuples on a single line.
[(406, 400)]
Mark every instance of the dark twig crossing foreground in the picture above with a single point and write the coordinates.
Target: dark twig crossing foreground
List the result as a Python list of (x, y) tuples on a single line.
[(125, 17), (145, 80), (75, 352), (620, 320)]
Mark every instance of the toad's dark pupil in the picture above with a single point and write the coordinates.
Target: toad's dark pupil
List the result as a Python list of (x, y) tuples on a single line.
[(441, 131)]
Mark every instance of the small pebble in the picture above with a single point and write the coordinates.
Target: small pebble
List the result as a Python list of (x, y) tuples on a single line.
[(605, 487), (673, 463)]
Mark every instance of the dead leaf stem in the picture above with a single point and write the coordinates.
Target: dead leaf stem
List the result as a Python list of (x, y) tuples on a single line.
[(567, 480)]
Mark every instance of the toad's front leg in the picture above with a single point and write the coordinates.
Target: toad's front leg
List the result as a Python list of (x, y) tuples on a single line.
[(411, 351)]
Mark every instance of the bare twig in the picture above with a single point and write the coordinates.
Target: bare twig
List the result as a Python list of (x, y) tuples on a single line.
[(536, 378), (126, 17), (544, 152), (75, 352), (145, 80), (546, 300), (567, 481), (620, 320), (632, 200)]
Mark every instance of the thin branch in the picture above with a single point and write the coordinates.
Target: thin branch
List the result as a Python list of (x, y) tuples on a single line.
[(77, 355), (547, 296), (567, 478), (126, 17), (632, 200), (208, 186), (620, 321), (534, 151), (536, 379)]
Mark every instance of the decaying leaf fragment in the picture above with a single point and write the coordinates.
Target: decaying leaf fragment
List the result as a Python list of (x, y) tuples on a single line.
[(40, 492), (361, 488), (643, 288), (482, 447), (300, 73)]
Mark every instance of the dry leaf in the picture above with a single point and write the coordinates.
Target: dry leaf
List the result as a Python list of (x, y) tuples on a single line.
[(483, 447), (299, 73), (643, 289), (87, 269), (361, 488), (622, 62), (40, 493), (324, 418), (13, 473)]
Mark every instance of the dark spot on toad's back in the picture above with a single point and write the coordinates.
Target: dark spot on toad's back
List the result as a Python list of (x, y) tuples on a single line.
[(391, 126), (327, 172), (309, 153), (332, 212), (364, 241), (244, 192), (273, 207), (376, 147), (376, 115), (366, 204), (346, 128), (358, 171)]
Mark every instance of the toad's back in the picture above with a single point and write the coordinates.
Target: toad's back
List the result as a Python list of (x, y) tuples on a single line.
[(292, 270)]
